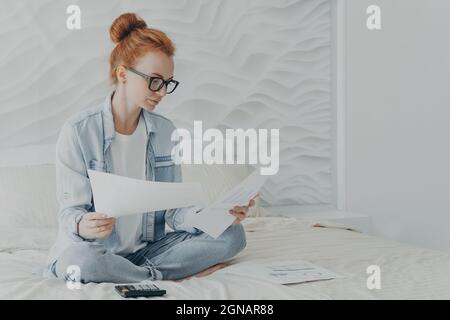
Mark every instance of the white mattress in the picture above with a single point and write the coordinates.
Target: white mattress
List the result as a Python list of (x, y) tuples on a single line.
[(406, 272)]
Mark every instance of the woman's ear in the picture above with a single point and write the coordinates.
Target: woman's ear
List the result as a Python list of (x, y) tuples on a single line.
[(121, 74)]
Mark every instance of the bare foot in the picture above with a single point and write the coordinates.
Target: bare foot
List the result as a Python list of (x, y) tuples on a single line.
[(205, 272)]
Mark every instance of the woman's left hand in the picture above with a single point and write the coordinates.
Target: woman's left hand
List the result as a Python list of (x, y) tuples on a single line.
[(241, 212)]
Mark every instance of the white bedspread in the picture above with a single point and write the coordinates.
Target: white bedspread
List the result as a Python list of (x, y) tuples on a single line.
[(406, 272)]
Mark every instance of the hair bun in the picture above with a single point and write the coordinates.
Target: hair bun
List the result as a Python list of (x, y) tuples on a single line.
[(124, 25)]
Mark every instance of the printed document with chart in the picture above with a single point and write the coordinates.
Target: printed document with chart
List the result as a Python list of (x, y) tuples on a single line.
[(215, 219), (283, 272)]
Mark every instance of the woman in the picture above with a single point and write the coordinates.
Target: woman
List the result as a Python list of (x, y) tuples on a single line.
[(124, 136)]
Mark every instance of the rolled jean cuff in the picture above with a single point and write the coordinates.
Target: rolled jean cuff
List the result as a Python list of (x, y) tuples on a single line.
[(154, 273)]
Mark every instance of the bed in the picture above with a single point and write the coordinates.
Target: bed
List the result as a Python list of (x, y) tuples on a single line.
[(407, 272)]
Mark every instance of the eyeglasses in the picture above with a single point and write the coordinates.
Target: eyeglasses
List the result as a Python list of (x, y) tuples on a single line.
[(156, 83)]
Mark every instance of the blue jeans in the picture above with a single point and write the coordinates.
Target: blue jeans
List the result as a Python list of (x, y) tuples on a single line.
[(179, 254)]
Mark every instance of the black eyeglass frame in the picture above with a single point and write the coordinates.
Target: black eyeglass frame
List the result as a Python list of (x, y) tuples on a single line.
[(150, 80)]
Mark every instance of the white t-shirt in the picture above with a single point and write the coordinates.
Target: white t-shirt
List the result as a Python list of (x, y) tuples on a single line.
[(128, 156)]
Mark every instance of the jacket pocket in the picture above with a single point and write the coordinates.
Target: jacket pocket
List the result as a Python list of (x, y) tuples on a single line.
[(97, 165), (164, 169), (163, 161)]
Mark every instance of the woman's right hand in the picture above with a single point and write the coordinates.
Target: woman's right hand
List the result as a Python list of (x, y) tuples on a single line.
[(95, 225)]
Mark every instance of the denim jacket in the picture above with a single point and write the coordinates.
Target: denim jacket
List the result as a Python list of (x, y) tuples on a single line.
[(84, 143)]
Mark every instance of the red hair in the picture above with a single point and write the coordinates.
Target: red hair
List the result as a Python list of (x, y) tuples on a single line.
[(134, 39)]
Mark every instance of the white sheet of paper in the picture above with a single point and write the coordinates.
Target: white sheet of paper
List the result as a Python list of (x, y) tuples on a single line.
[(215, 219), (117, 196), (284, 272)]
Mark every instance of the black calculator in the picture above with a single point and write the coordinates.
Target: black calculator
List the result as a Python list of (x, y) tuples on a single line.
[(139, 290)]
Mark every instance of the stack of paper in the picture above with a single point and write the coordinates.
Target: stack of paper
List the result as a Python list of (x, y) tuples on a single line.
[(117, 196)]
